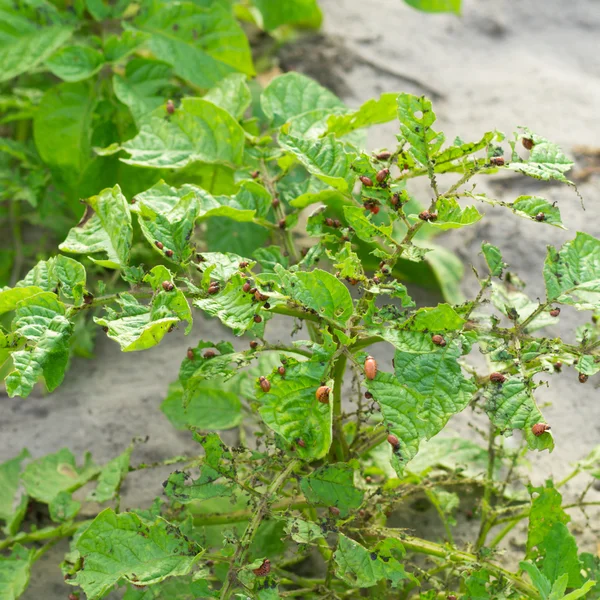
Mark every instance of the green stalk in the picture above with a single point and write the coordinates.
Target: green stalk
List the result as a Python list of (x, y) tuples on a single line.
[(487, 518), (339, 447), (51, 533)]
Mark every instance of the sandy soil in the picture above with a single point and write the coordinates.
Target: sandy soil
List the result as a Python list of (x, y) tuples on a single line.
[(499, 66)]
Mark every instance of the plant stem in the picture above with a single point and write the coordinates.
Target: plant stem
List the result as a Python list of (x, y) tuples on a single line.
[(15, 224), (487, 521), (252, 528), (455, 556), (443, 519), (340, 446), (48, 533)]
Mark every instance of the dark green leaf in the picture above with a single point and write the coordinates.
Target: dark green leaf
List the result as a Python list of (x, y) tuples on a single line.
[(111, 476), (439, 318), (15, 570), (532, 206), (232, 94), (493, 258), (11, 507), (63, 508), (75, 63), (181, 488)]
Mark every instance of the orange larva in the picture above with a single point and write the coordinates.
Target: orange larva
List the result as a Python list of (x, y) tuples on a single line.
[(264, 384), (497, 377), (370, 367), (438, 340), (322, 394), (540, 428), (264, 569)]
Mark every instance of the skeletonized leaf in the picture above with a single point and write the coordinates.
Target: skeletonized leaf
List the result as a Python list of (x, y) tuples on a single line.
[(198, 131), (124, 547), (41, 320), (511, 406), (301, 531), (416, 119), (532, 206), (333, 485), (107, 230), (45, 477), (181, 488), (58, 271), (364, 568), (209, 44), (572, 274), (291, 409), (326, 158), (292, 94)]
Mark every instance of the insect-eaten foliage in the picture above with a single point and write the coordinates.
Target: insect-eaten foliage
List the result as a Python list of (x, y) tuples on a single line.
[(331, 442)]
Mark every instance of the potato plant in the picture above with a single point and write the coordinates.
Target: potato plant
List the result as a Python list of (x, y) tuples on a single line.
[(331, 445)]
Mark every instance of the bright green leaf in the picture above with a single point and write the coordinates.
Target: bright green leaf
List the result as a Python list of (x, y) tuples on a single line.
[(493, 258), (121, 546), (532, 206), (434, 6), (452, 216), (75, 63), (372, 112), (111, 476), (299, 13), (439, 318), (10, 506), (232, 94), (63, 508), (15, 570)]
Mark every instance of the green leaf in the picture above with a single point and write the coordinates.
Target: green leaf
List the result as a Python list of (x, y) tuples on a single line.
[(292, 94), (439, 318), (65, 111), (138, 326), (106, 227), (15, 570), (122, 546), (572, 274), (181, 588), (333, 485), (25, 43), (300, 13), (416, 119), (42, 322), (493, 258), (546, 160), (232, 94), (234, 308), (303, 532), (426, 391), (206, 406), (57, 272), (559, 551), (364, 228), (11, 510), (325, 158), (512, 406), (111, 476), (106, 9), (320, 291), (197, 131), (363, 568), (434, 6), (591, 463), (580, 593), (209, 43), (141, 86), (452, 216), (445, 160), (181, 488), (531, 206), (117, 47), (10, 298), (75, 63), (372, 112), (44, 478), (291, 409), (538, 578)]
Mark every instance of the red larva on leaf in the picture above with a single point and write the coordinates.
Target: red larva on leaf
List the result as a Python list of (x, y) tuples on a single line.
[(374, 209), (281, 224), (213, 289), (210, 354), (337, 223), (558, 366), (247, 287), (260, 297), (170, 107), (370, 367), (555, 312), (254, 344), (159, 245), (276, 202), (243, 264), (395, 200), (368, 395), (264, 383), (264, 569), (334, 510), (366, 181), (497, 377), (322, 394), (583, 377), (540, 428), (540, 217), (527, 143), (281, 371), (73, 597), (329, 222), (167, 286), (255, 174), (257, 319), (393, 440), (301, 442), (497, 161), (385, 155), (450, 597), (382, 175), (438, 340), (190, 353), (169, 253), (425, 215)]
